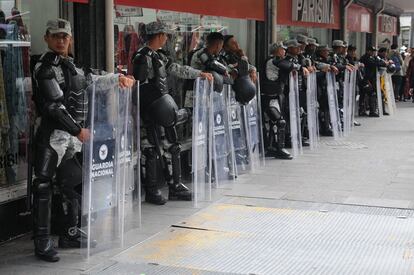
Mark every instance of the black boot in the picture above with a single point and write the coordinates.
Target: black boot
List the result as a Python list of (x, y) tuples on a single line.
[(42, 196), (44, 249), (325, 128), (326, 132), (177, 190), (153, 177), (70, 235), (281, 152), (154, 196), (373, 109)]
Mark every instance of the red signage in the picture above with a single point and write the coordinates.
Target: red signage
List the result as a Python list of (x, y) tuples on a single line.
[(359, 19), (243, 9), (309, 13), (387, 24), (78, 1)]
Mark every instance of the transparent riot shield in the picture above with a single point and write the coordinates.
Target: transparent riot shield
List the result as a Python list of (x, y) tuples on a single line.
[(111, 184), (312, 110), (349, 101), (220, 142), (253, 124), (241, 155), (333, 105), (392, 93), (379, 94), (201, 163), (389, 93), (294, 115), (353, 97)]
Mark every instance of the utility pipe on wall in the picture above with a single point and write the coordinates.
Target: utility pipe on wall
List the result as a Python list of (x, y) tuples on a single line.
[(109, 36)]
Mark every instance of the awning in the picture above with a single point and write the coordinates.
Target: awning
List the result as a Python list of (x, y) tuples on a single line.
[(242, 9)]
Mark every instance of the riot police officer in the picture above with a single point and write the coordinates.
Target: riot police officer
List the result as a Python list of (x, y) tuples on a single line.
[(61, 103), (352, 59), (339, 61), (291, 63), (323, 64), (208, 59), (306, 61), (234, 56), (161, 115), (273, 101), (372, 64)]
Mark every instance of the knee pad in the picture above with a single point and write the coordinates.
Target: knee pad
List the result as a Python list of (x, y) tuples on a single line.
[(281, 123), (274, 114), (42, 186), (45, 162), (175, 149)]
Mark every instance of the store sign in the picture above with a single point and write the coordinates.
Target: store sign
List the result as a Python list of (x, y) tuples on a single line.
[(365, 23), (127, 11), (189, 19), (210, 22), (387, 24), (168, 16), (359, 19), (314, 11)]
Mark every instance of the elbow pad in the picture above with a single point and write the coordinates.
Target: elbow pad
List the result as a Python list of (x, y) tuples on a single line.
[(217, 67), (140, 67), (50, 89), (61, 115)]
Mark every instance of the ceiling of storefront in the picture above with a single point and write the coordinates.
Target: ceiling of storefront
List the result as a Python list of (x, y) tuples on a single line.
[(392, 7), (405, 5)]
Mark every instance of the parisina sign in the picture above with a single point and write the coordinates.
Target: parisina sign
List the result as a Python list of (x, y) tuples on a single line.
[(315, 11)]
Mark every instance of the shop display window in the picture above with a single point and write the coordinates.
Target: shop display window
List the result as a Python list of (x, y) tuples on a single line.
[(188, 32), (15, 94)]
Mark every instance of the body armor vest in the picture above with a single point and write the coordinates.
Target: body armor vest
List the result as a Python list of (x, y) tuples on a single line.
[(160, 73), (72, 82), (272, 87)]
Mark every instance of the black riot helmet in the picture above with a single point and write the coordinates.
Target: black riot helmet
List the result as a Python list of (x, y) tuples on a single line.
[(391, 68), (69, 173), (244, 88), (163, 111)]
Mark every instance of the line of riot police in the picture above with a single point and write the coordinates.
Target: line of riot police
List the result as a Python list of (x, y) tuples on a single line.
[(327, 107), (232, 116)]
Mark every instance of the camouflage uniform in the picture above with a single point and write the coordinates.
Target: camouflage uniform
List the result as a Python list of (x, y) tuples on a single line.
[(160, 115)]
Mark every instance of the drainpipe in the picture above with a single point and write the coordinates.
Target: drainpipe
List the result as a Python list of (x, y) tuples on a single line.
[(273, 21), (412, 31), (109, 36), (376, 16), (344, 22)]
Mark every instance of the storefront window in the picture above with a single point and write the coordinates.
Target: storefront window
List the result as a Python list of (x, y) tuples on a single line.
[(384, 40), (15, 93), (323, 36), (189, 31), (358, 39), (20, 37)]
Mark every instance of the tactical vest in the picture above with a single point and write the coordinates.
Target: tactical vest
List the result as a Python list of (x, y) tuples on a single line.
[(72, 82)]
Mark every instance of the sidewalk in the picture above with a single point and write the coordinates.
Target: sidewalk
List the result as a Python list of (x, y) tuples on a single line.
[(345, 208)]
